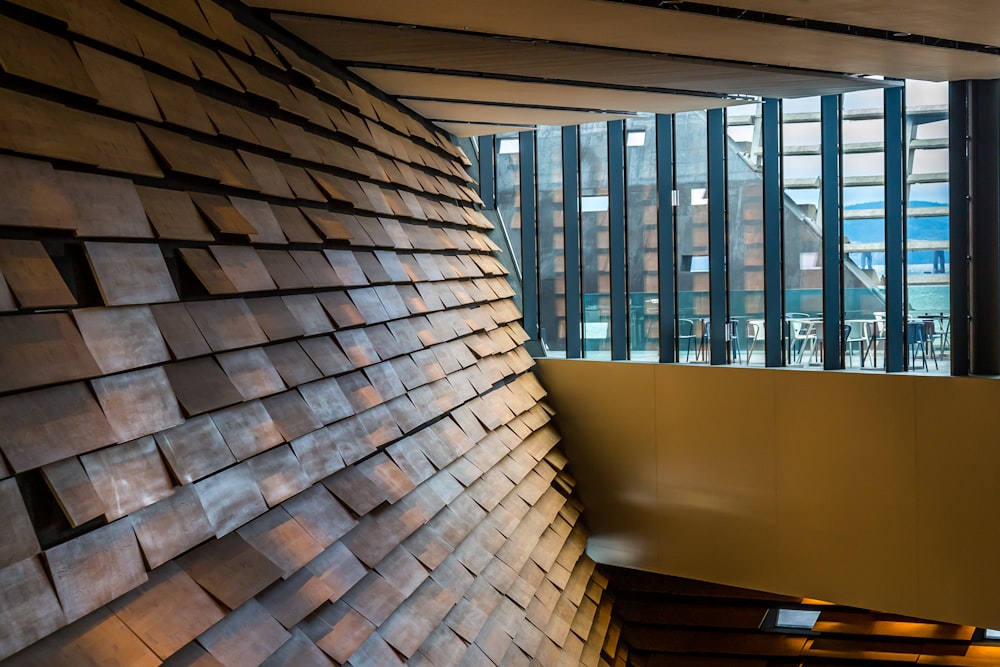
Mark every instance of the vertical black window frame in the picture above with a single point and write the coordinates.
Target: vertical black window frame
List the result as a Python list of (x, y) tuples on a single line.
[(616, 242), (959, 164), (895, 231), (773, 226), (529, 234), (666, 237), (719, 325), (571, 247), (832, 240), (487, 171)]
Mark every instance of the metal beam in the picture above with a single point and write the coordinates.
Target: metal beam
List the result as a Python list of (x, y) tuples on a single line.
[(529, 234), (832, 232), (665, 234), (773, 219), (616, 240), (571, 227), (717, 235), (487, 171), (958, 232), (984, 151), (895, 236)]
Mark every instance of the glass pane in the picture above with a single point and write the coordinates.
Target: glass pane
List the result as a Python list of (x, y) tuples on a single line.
[(691, 216), (864, 226), (508, 184), (745, 264), (594, 240), (928, 257), (641, 240), (803, 226), (551, 259)]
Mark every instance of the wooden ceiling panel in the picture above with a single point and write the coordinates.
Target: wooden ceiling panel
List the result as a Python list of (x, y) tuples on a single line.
[(975, 21), (619, 26), (480, 129), (482, 89), (354, 41), (488, 113)]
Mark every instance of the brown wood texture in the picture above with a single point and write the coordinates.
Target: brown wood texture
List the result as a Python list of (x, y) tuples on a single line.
[(121, 338), (243, 267), (173, 214), (93, 569), (105, 206), (74, 491), (130, 273), (35, 424), (31, 610), (201, 385), (230, 569), (32, 276), (171, 527), (137, 403), (167, 611), (210, 424)]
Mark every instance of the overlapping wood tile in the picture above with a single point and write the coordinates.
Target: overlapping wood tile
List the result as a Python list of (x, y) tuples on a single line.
[(121, 338), (30, 610), (128, 477), (95, 568), (167, 611), (130, 273), (35, 424), (137, 403), (31, 276)]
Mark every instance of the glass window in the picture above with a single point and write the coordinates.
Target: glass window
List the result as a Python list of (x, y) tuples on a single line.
[(745, 262), (551, 256), (691, 226), (928, 256), (863, 274), (641, 238), (594, 241), (508, 185), (803, 226)]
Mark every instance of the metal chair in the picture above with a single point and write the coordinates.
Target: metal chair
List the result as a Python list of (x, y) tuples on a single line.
[(755, 332), (686, 333)]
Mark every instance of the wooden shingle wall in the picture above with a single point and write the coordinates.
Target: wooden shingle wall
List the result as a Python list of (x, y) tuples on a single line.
[(262, 390)]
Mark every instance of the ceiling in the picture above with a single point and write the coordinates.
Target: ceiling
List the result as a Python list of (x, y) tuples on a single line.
[(480, 67), (686, 623)]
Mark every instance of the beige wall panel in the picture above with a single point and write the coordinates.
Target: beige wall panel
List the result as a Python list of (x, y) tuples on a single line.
[(716, 473), (866, 489), (846, 487), (614, 405), (957, 462)]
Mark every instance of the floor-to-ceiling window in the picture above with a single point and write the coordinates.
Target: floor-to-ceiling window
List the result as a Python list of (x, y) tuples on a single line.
[(691, 221), (868, 188), (641, 240), (745, 234), (928, 258), (551, 256), (594, 241), (508, 186), (803, 229)]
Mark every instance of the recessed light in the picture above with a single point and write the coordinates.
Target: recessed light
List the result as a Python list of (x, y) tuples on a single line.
[(509, 147), (635, 138), (802, 619)]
